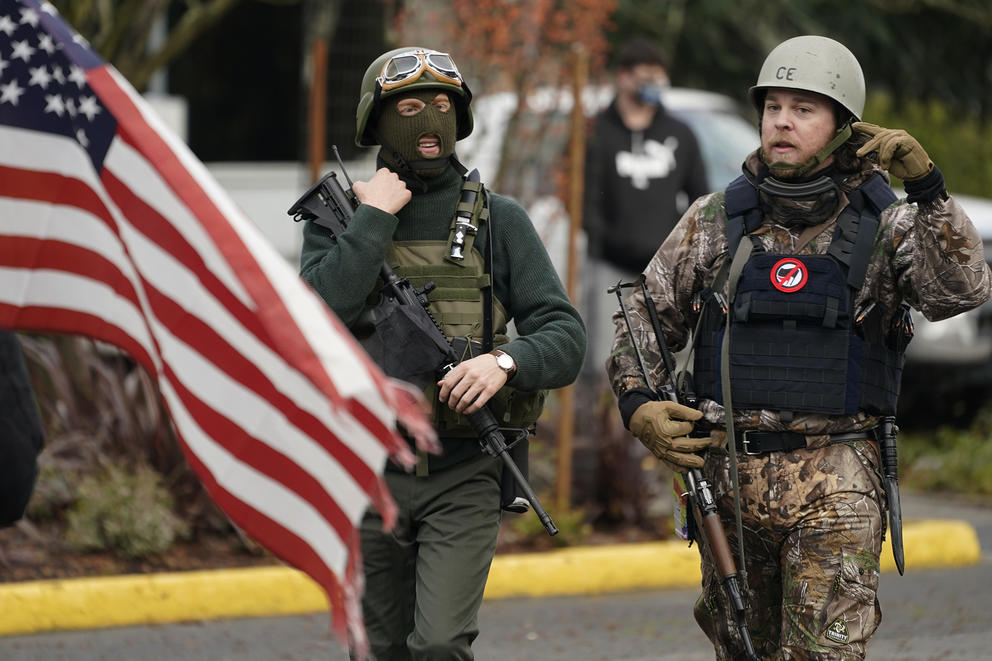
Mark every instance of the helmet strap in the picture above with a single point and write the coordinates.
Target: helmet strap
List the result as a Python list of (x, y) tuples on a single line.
[(842, 136)]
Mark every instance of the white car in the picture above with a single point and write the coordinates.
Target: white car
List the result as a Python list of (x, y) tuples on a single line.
[(949, 362), (725, 136), (960, 340)]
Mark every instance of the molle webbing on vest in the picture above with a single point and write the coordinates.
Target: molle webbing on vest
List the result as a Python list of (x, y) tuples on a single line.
[(795, 345), (457, 304), (456, 301), (451, 284), (790, 351), (857, 227)]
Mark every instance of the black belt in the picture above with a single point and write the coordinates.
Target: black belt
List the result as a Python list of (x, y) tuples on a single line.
[(753, 442)]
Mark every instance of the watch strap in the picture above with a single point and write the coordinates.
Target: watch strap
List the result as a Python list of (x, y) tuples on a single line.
[(510, 371)]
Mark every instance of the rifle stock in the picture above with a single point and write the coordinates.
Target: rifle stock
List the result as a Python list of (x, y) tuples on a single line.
[(329, 205)]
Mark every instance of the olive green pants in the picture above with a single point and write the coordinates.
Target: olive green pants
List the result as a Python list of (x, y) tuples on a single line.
[(424, 579)]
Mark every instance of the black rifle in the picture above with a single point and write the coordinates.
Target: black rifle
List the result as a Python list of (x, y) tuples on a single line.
[(699, 490), (329, 205)]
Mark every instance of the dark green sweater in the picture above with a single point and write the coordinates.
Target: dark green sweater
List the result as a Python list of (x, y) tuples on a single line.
[(550, 343)]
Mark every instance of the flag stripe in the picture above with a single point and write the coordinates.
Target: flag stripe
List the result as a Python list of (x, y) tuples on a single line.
[(164, 185), (159, 229), (188, 290), (50, 186), (52, 255), (293, 431), (47, 222), (262, 494), (58, 319), (309, 499), (57, 289)]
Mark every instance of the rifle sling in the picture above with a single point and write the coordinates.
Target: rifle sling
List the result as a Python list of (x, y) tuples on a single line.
[(487, 291), (741, 255)]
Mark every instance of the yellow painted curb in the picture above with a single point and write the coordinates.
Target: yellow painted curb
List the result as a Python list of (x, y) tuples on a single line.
[(93, 603), (935, 543), (594, 569)]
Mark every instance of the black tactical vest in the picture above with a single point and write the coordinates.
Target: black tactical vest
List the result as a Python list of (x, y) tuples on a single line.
[(795, 344)]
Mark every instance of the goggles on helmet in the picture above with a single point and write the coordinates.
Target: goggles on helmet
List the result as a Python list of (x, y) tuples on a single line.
[(405, 68)]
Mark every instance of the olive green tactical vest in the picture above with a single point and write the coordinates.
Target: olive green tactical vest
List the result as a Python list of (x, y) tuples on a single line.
[(456, 302)]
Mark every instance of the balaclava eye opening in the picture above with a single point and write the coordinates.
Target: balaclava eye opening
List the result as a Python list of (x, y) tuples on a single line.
[(399, 134)]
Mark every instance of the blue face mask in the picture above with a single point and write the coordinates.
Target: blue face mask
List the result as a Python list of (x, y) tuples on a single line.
[(651, 94)]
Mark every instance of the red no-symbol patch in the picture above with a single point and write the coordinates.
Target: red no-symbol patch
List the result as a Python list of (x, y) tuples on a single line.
[(789, 275)]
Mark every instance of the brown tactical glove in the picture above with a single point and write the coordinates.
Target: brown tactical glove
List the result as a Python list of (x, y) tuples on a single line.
[(663, 428), (898, 152)]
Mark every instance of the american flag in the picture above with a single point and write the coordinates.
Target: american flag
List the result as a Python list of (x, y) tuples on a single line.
[(111, 228)]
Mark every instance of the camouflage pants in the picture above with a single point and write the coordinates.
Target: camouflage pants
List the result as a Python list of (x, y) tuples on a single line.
[(813, 529)]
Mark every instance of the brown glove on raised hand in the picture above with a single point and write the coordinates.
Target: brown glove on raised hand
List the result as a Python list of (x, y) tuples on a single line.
[(898, 152), (663, 428)]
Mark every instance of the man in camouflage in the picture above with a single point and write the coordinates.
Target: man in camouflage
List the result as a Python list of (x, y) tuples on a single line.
[(811, 492)]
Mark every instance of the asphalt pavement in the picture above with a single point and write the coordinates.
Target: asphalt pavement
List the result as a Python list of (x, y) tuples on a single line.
[(928, 614), (941, 535)]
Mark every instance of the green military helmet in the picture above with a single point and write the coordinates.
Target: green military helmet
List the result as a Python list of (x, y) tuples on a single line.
[(404, 70), (814, 64)]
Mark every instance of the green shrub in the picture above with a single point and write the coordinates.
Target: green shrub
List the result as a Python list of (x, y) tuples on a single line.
[(54, 491), (949, 459), (129, 512), (527, 529)]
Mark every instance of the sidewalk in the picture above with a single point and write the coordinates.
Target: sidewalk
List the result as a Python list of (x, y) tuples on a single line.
[(936, 534)]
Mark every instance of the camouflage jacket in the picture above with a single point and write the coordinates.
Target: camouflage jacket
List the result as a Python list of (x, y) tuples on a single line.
[(926, 254)]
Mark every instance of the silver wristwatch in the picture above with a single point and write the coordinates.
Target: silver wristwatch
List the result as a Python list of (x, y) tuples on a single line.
[(505, 362)]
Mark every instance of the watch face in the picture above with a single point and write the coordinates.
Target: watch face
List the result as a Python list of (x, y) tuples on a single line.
[(505, 361)]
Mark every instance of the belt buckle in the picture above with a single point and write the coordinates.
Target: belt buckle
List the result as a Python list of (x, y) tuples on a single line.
[(745, 443)]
